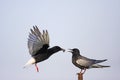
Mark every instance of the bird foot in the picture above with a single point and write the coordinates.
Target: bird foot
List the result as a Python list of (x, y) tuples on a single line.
[(79, 73)]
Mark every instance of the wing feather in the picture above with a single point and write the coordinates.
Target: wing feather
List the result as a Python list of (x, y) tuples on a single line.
[(36, 40), (84, 61), (47, 37)]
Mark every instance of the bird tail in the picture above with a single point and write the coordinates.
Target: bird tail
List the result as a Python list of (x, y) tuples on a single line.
[(31, 61), (98, 66), (99, 61)]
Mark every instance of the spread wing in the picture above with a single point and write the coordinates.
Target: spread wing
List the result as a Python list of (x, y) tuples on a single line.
[(37, 40)]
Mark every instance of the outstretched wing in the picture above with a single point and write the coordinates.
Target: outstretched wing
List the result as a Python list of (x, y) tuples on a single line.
[(37, 40)]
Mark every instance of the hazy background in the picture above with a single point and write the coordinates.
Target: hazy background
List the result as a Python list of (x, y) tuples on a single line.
[(93, 26)]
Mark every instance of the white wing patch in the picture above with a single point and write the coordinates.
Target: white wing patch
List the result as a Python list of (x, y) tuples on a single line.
[(82, 62)]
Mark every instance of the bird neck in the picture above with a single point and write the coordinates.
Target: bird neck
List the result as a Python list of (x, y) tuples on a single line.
[(75, 55), (52, 50)]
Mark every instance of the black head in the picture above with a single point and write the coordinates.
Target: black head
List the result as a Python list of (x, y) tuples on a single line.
[(74, 51), (57, 48)]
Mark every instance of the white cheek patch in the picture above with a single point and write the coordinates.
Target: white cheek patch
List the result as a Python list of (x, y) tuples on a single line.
[(82, 62)]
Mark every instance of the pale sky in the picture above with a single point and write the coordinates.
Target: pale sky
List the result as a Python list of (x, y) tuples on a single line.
[(93, 26)]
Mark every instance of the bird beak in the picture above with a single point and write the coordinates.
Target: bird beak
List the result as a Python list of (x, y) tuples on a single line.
[(63, 49), (70, 50)]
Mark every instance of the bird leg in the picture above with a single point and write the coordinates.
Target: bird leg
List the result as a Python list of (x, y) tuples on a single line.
[(37, 68), (84, 70), (81, 70), (81, 73)]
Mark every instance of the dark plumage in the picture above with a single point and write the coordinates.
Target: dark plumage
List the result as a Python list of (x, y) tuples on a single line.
[(38, 45), (83, 62)]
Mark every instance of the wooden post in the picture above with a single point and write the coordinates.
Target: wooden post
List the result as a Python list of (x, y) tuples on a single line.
[(80, 76)]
